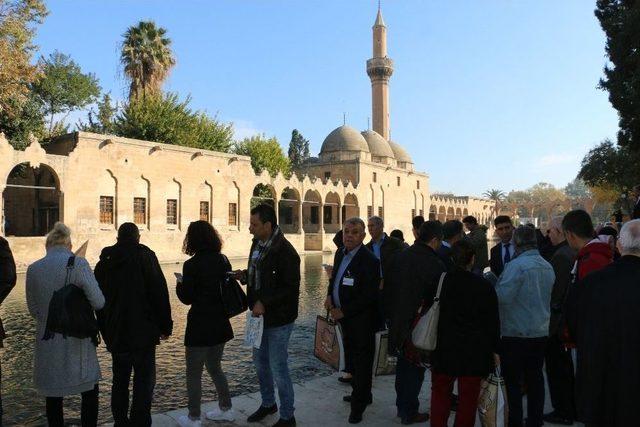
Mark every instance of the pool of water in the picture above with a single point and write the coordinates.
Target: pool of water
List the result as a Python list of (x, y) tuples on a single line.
[(23, 406)]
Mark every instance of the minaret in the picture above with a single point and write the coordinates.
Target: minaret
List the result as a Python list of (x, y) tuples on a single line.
[(380, 69)]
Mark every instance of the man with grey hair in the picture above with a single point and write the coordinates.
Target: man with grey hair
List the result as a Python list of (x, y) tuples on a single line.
[(524, 297), (608, 340), (352, 299), (558, 360)]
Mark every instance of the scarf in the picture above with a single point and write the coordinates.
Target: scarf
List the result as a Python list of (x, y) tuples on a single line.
[(254, 265)]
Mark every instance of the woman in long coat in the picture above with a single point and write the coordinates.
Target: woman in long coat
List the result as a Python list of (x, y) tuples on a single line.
[(63, 366)]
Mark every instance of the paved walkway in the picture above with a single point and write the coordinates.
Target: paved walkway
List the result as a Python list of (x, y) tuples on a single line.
[(318, 403)]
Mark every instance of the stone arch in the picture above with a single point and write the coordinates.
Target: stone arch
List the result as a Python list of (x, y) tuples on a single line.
[(234, 211), (331, 212), (289, 208), (350, 207), (442, 213), (450, 213), (32, 200), (263, 193), (173, 193), (141, 202), (458, 214), (311, 207), (465, 212), (205, 201), (433, 212)]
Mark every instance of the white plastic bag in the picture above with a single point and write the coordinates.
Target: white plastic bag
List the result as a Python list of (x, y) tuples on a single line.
[(253, 331), (425, 334)]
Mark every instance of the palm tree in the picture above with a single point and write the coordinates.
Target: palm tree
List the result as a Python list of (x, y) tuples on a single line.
[(146, 58), (497, 196)]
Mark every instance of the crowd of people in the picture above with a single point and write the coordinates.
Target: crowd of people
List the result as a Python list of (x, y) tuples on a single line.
[(563, 299)]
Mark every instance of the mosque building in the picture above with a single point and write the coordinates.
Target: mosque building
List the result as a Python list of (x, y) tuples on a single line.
[(94, 183)]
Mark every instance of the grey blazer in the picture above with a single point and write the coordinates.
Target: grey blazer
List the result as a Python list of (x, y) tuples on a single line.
[(61, 366)]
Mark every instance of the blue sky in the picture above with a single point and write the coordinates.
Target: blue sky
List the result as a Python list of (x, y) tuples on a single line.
[(486, 94)]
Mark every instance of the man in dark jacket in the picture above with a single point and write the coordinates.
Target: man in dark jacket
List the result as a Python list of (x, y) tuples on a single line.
[(135, 317), (478, 238), (417, 272), (505, 250), (7, 283), (352, 298), (607, 380), (452, 232), (635, 199), (385, 248), (558, 361), (273, 290)]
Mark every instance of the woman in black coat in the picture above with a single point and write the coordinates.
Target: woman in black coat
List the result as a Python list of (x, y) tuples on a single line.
[(208, 328), (468, 334)]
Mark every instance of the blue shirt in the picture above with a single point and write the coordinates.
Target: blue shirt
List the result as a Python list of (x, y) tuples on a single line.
[(376, 249), (524, 296), (337, 280)]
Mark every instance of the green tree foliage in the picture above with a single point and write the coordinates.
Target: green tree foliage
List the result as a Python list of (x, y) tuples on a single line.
[(25, 120), (577, 189), (146, 58), (298, 149), (611, 166), (63, 88), (101, 121), (266, 154), (164, 118), (18, 22), (620, 21)]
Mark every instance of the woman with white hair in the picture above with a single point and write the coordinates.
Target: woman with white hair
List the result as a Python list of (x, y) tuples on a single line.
[(63, 366)]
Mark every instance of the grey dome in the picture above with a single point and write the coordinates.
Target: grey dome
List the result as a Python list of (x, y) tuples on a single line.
[(377, 144), (344, 138), (400, 153)]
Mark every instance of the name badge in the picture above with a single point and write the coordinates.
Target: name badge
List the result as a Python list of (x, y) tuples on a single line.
[(347, 281)]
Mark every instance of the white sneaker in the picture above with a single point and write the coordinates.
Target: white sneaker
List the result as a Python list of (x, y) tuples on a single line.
[(220, 415), (185, 421)]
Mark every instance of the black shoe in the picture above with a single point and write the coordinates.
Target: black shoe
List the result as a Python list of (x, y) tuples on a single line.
[(291, 422), (345, 380), (355, 417), (262, 412), (348, 399), (419, 418), (557, 418)]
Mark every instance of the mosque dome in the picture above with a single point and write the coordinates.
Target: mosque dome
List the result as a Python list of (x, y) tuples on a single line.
[(400, 153), (344, 138), (378, 146)]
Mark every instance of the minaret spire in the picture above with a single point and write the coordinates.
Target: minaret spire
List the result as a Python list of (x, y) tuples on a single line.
[(380, 69)]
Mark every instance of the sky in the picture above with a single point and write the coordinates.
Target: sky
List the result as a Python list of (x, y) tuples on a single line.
[(485, 94)]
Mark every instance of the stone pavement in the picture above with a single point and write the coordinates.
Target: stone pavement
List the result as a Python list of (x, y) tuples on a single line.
[(319, 403)]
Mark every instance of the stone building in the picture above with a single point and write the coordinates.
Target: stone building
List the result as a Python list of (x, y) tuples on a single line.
[(96, 182)]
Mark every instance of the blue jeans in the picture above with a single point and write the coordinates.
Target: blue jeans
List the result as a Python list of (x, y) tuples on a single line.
[(271, 361)]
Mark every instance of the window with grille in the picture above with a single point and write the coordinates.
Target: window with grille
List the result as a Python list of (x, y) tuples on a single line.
[(421, 212), (418, 185), (315, 214), (413, 213), (106, 210), (204, 211), (398, 181), (375, 177), (172, 211), (380, 211), (328, 214), (233, 214), (327, 175), (369, 211), (139, 210)]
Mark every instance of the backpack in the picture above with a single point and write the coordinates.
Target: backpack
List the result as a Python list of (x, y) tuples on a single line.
[(70, 313), (234, 299)]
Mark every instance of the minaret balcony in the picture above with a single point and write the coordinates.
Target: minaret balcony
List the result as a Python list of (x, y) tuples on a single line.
[(380, 67)]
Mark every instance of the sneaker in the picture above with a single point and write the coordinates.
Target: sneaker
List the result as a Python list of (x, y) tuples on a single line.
[(291, 422), (220, 415), (262, 412), (185, 421)]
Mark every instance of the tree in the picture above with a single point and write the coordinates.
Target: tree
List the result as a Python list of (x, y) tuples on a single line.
[(497, 196), (166, 119), (577, 189), (266, 154), (298, 149), (18, 21), (620, 21), (146, 58), (24, 121), (101, 121), (610, 166), (63, 88)]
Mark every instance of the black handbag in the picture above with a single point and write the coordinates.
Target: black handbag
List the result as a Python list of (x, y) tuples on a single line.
[(234, 299), (70, 313)]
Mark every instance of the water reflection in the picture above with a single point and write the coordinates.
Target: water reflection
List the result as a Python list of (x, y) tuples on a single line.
[(22, 405)]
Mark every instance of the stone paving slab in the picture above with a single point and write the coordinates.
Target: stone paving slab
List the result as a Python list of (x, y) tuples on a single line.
[(319, 403)]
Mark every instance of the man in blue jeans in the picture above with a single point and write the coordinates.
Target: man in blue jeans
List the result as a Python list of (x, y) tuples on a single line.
[(273, 289)]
